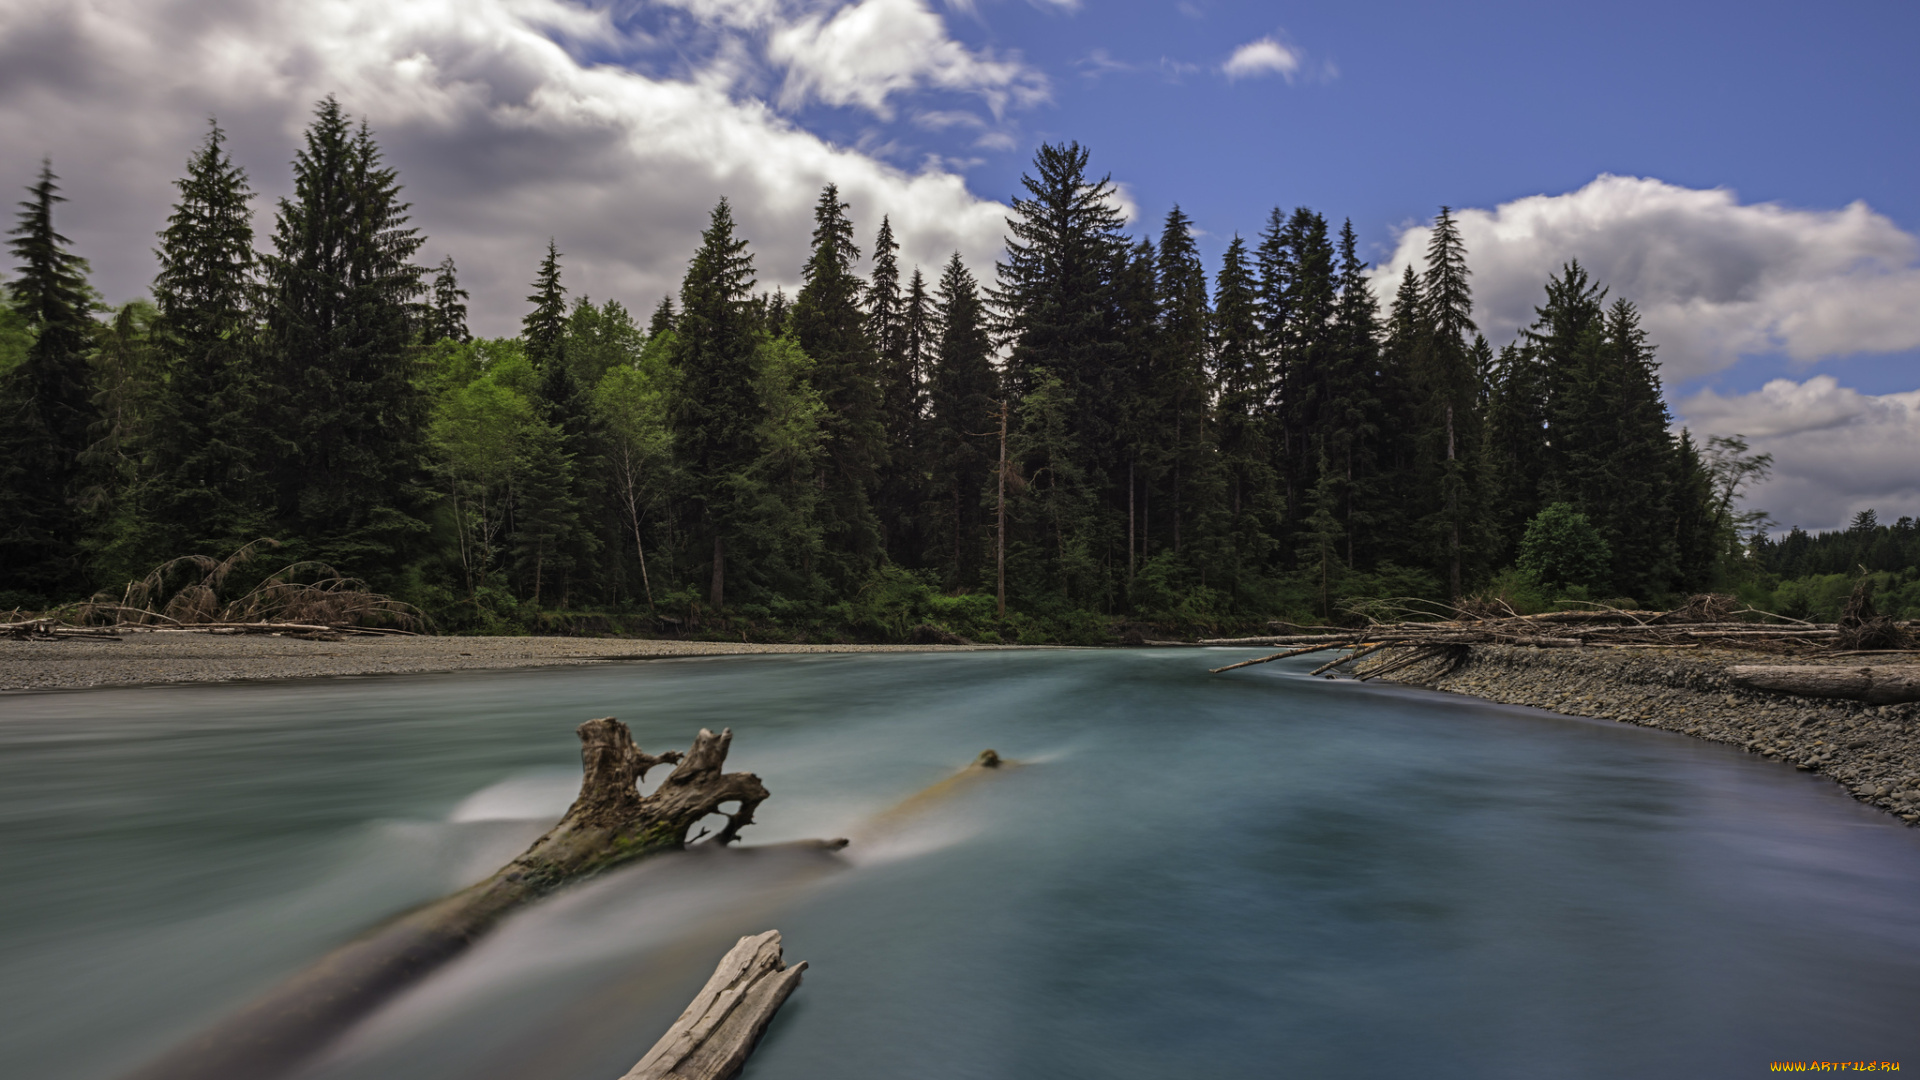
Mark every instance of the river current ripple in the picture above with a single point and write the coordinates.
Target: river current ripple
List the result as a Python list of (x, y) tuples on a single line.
[(1196, 875)]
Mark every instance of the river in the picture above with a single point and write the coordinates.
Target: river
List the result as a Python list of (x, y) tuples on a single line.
[(1252, 874)]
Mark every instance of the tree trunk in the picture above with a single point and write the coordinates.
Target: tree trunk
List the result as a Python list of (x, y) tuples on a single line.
[(1874, 685), (609, 825), (717, 595), (713, 1037)]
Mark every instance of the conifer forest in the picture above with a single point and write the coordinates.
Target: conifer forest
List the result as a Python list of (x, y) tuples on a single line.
[(1098, 432)]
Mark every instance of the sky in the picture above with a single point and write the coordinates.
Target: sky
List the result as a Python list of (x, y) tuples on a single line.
[(1743, 172)]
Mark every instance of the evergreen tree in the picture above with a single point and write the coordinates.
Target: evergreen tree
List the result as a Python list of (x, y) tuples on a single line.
[(208, 487), (1057, 307), (446, 317), (898, 493), (963, 415), (340, 288), (1450, 382), (716, 408), (1140, 411), (1359, 410), (1240, 366), (1183, 341), (544, 329), (47, 411), (830, 327), (662, 321)]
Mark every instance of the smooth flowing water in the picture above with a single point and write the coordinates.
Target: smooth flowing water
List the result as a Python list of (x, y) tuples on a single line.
[(1197, 875)]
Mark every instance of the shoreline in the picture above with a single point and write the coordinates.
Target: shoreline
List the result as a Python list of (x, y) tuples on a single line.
[(1873, 751), (175, 659)]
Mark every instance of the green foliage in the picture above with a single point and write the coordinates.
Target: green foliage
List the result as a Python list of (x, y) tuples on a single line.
[(47, 412), (1562, 549), (348, 415), (1181, 458)]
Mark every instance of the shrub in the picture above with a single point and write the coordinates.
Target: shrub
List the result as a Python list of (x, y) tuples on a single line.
[(1562, 549)]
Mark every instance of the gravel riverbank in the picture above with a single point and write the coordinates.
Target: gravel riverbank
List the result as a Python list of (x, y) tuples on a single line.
[(1871, 750), (153, 658)]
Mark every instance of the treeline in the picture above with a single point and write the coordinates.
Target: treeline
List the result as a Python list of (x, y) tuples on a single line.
[(1183, 447)]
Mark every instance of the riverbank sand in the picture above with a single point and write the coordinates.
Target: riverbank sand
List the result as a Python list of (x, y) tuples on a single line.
[(151, 658)]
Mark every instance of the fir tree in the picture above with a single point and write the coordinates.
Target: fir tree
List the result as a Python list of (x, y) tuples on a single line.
[(1364, 394), (208, 487), (1450, 378), (446, 317), (830, 327), (1184, 362), (716, 409), (544, 329), (1241, 378), (662, 320), (340, 289), (961, 393), (1059, 313), (49, 415)]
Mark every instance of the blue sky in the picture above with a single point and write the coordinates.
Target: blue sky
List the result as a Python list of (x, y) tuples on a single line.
[(1743, 172)]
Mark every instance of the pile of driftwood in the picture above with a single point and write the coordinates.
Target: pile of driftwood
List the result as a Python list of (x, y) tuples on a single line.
[(192, 595), (1713, 620)]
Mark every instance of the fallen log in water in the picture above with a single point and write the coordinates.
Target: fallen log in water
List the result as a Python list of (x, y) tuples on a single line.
[(609, 825), (713, 1037), (1874, 685)]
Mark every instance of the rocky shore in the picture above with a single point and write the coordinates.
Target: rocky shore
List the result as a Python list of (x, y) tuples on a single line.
[(154, 658), (1871, 750)]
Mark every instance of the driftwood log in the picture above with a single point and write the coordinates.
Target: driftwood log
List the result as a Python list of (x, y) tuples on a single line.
[(609, 825), (713, 1037), (1874, 685)]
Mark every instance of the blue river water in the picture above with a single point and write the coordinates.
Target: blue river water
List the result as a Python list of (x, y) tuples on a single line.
[(1251, 874)]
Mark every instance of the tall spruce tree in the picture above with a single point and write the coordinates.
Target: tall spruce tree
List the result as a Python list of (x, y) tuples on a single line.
[(716, 409), (554, 539), (1057, 310), (446, 315), (340, 290), (1359, 393), (830, 327), (544, 329), (208, 486), (1185, 321), (47, 411), (1240, 367), (1450, 381), (962, 389), (897, 494)]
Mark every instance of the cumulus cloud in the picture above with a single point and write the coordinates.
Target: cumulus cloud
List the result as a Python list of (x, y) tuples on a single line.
[(1266, 56), (867, 52), (1714, 278), (501, 136), (1836, 451)]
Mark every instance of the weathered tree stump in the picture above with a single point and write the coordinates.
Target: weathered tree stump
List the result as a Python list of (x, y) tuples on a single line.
[(713, 1037), (1874, 685), (609, 825)]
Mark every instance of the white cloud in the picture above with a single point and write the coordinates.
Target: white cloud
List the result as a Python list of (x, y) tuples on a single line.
[(869, 51), (500, 136), (1836, 451), (1266, 56), (1714, 278)]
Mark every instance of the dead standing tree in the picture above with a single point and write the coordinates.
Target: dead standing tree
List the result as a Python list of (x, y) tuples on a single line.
[(608, 826)]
